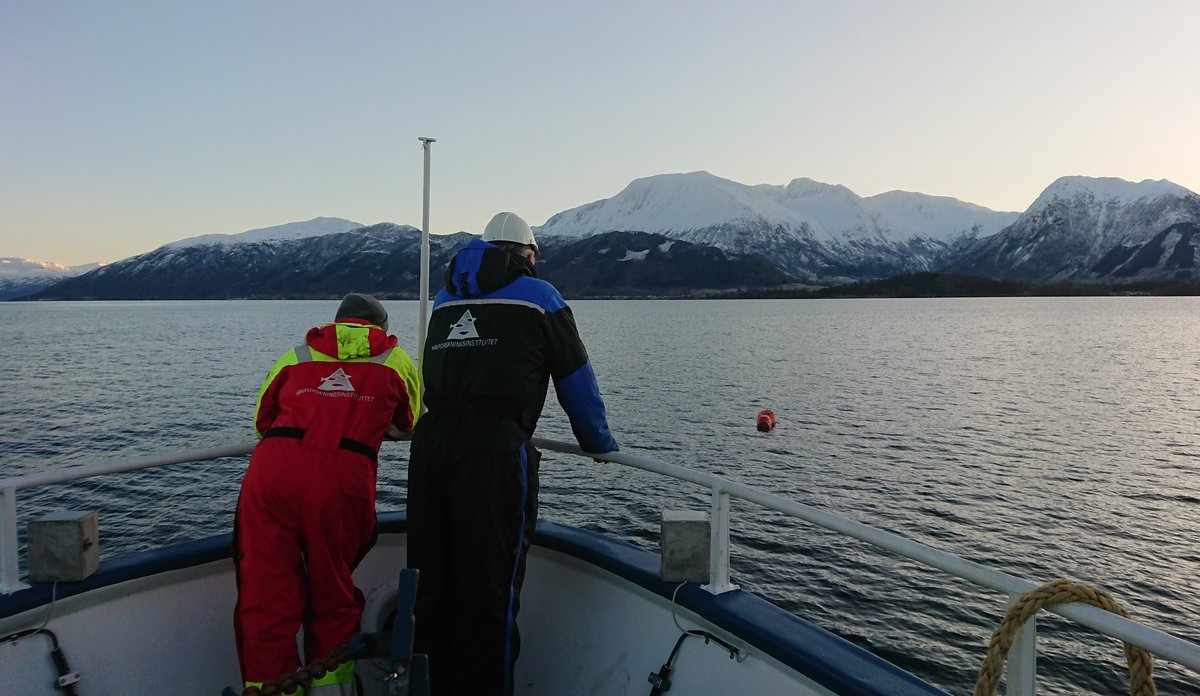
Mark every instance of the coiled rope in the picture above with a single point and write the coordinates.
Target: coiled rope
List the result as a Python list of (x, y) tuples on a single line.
[(301, 678), (1060, 591)]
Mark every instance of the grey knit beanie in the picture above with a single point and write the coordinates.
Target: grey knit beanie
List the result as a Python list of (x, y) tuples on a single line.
[(365, 307)]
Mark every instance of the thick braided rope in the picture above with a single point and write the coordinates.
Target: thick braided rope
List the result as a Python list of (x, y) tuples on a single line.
[(1061, 591)]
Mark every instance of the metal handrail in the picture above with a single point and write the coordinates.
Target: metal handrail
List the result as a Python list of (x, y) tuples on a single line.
[(10, 570), (1162, 644)]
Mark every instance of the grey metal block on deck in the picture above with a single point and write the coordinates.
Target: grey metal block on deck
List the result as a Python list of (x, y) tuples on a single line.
[(684, 539), (64, 546)]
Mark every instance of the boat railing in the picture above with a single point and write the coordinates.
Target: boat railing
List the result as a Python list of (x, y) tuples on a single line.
[(10, 569), (1021, 665)]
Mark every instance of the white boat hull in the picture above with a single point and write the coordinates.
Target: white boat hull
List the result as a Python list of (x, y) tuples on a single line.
[(594, 620)]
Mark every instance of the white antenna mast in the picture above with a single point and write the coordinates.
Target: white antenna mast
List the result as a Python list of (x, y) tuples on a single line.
[(426, 145)]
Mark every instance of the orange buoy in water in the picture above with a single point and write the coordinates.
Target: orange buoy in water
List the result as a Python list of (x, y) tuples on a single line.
[(766, 420)]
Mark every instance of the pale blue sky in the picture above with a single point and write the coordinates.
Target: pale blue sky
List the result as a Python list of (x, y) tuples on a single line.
[(126, 125)]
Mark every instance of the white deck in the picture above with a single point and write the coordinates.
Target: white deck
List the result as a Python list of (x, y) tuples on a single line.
[(585, 631)]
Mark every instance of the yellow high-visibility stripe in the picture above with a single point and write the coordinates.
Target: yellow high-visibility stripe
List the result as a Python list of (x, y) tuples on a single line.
[(342, 674), (404, 366), (288, 358), (353, 341)]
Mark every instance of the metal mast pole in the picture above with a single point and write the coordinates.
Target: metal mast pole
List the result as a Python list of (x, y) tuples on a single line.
[(426, 145)]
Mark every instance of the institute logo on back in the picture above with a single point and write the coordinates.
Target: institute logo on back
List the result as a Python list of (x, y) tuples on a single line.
[(338, 381), (464, 328)]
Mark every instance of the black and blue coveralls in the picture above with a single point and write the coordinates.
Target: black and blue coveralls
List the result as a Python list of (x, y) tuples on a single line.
[(497, 335)]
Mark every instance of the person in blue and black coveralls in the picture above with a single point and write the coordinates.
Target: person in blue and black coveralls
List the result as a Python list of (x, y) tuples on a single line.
[(497, 335)]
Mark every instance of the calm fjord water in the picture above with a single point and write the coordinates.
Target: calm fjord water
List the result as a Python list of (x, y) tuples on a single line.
[(1046, 437)]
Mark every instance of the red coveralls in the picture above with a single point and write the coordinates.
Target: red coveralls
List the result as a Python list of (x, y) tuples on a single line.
[(306, 513)]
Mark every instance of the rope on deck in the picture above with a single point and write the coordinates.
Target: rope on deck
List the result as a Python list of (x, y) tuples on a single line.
[(1060, 591), (299, 680)]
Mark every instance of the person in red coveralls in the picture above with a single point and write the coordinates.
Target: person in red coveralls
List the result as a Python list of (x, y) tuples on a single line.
[(306, 513)]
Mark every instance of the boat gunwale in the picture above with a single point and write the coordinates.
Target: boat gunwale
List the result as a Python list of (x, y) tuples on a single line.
[(1022, 669), (819, 655)]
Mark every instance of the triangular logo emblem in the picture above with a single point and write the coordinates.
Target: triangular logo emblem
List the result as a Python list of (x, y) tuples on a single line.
[(338, 381), (464, 328)]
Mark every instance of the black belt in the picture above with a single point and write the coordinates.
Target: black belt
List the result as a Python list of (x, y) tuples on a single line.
[(345, 443)]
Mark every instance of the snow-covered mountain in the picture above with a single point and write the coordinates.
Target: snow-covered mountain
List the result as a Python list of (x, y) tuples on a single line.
[(293, 230), (384, 260), (22, 277), (365, 259), (1086, 229), (701, 232), (812, 230)]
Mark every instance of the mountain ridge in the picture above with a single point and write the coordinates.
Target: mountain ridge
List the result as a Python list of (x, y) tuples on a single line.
[(20, 277), (1079, 230), (383, 260), (315, 227), (1086, 230), (817, 232)]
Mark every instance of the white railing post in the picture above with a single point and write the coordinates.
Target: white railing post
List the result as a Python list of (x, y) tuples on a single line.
[(1021, 665), (1161, 644), (10, 566), (718, 554), (423, 291)]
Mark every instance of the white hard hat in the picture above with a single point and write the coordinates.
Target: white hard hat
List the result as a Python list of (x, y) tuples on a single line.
[(509, 227)]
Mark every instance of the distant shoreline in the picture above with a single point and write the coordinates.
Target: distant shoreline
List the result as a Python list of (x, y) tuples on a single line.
[(930, 285), (911, 285)]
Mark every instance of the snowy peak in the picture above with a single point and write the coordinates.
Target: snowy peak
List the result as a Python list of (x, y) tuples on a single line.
[(936, 217), (666, 204), (22, 277), (699, 206), (316, 227), (1096, 229), (1108, 191), (814, 231), (805, 188), (1110, 210), (831, 211), (13, 268)]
